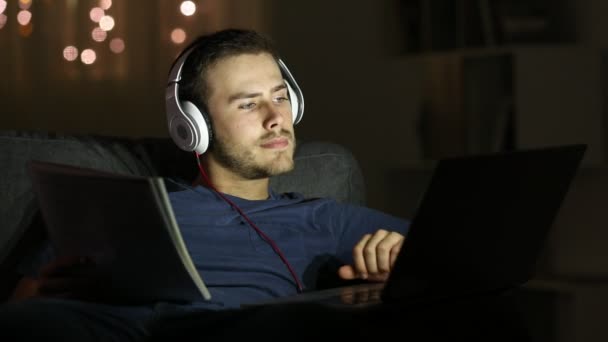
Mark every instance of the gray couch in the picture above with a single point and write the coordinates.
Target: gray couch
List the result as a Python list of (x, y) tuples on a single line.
[(322, 169)]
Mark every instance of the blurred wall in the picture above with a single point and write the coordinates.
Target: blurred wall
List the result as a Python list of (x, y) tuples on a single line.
[(119, 94), (360, 89)]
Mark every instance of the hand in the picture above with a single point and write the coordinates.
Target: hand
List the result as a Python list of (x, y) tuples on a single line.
[(69, 277), (66, 277), (373, 257)]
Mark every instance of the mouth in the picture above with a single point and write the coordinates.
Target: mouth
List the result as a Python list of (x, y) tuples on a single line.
[(276, 143)]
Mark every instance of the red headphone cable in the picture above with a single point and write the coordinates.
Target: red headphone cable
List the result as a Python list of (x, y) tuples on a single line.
[(272, 244)]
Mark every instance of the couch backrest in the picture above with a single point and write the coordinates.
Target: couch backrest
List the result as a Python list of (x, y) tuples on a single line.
[(322, 169)]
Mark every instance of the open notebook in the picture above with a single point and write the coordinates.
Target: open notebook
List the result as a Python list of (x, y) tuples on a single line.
[(124, 224), (479, 228)]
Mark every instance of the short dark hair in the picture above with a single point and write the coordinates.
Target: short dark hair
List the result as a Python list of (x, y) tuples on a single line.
[(211, 48)]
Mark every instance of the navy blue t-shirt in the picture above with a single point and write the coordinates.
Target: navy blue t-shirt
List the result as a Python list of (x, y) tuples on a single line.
[(239, 266)]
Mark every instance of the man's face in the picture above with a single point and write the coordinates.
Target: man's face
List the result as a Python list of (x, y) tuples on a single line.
[(251, 116)]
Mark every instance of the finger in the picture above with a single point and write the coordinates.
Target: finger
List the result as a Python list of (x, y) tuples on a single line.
[(51, 267), (61, 264), (378, 277), (50, 286), (385, 249), (82, 289), (74, 284), (395, 253), (371, 251), (359, 258), (347, 272)]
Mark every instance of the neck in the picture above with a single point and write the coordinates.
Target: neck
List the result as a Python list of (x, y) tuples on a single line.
[(227, 182)]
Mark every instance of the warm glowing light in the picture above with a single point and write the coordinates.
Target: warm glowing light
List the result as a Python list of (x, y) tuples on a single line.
[(117, 45), (187, 8), (24, 17), (88, 56), (70, 53), (106, 23), (178, 36), (3, 20), (96, 13), (26, 30), (99, 35), (105, 4), (2, 6), (25, 4)]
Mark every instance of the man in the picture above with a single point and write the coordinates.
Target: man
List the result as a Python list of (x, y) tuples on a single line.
[(242, 89), (249, 243)]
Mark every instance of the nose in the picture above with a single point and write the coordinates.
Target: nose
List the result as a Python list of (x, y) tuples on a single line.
[(274, 117)]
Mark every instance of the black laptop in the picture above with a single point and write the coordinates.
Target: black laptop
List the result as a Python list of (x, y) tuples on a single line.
[(479, 229)]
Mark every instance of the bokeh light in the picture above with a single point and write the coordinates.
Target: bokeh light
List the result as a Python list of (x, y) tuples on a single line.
[(3, 19), (106, 23), (88, 56), (105, 4), (2, 6), (117, 45), (25, 4), (70, 53), (178, 36), (187, 8), (24, 17), (99, 35), (96, 14)]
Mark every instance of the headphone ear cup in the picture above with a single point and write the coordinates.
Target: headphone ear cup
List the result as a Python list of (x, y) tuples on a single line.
[(295, 93), (190, 129), (295, 104)]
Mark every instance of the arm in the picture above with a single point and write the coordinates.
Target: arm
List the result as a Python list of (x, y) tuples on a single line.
[(57, 279), (27, 287), (368, 241)]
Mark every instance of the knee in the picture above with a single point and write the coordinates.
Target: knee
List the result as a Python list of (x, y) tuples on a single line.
[(34, 320)]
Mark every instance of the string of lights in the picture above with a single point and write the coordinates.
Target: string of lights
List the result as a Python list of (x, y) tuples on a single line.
[(103, 24), (103, 29)]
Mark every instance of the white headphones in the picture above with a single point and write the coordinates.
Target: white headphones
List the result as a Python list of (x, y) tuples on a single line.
[(189, 125)]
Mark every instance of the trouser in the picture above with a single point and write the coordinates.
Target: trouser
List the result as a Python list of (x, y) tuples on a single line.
[(53, 319), (49, 319), (65, 320)]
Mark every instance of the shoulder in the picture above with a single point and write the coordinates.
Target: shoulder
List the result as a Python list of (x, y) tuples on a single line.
[(176, 185)]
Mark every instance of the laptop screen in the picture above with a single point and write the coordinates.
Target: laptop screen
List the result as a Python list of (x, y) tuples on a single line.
[(482, 223)]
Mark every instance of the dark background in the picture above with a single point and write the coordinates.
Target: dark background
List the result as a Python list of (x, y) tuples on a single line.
[(399, 82)]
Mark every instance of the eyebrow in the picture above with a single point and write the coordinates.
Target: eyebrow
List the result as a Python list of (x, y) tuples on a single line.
[(244, 95)]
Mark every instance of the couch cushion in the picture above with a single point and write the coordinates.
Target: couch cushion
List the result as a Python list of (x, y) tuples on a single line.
[(18, 205)]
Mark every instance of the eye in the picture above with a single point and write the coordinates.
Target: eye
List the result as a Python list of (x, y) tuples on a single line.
[(249, 105), (281, 99)]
